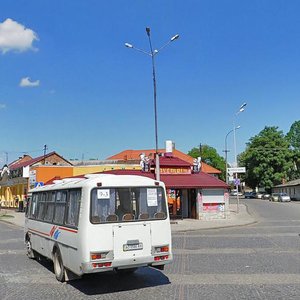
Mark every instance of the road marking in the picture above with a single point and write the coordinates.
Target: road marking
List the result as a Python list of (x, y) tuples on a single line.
[(14, 252), (232, 279), (11, 241), (245, 251), (238, 235)]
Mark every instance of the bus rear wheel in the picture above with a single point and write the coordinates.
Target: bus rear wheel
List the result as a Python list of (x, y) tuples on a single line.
[(59, 268)]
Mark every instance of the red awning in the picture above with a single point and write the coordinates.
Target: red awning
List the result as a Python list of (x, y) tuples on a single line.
[(197, 180)]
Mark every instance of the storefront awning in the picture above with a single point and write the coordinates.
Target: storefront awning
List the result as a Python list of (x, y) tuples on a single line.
[(197, 180)]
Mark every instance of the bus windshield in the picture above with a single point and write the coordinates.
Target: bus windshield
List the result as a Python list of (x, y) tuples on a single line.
[(127, 204)]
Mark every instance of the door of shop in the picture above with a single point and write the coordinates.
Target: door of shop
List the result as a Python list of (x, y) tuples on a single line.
[(174, 203), (192, 196)]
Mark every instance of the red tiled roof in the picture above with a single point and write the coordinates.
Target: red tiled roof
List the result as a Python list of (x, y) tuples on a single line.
[(20, 160), (31, 161), (198, 180), (135, 155)]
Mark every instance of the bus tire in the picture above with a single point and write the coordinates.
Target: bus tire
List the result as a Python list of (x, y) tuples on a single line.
[(29, 251), (59, 268)]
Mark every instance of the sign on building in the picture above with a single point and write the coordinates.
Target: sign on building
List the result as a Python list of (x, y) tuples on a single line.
[(32, 178)]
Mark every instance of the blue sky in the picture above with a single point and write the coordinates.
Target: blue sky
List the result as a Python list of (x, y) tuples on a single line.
[(70, 83)]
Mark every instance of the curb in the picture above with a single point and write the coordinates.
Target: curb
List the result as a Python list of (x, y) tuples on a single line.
[(216, 227)]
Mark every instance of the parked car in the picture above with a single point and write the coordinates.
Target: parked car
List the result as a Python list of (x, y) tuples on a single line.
[(266, 196), (259, 195), (274, 197), (284, 197), (235, 193), (249, 195)]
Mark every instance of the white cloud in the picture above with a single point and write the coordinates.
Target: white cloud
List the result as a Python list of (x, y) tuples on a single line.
[(15, 37), (26, 82), (2, 106)]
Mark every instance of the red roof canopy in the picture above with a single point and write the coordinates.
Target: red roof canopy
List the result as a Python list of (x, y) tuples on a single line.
[(197, 180)]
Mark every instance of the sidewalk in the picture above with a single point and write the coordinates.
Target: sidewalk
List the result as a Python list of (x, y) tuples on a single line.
[(16, 218), (234, 219)]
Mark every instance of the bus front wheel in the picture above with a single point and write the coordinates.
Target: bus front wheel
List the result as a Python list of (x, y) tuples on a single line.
[(30, 252), (59, 268)]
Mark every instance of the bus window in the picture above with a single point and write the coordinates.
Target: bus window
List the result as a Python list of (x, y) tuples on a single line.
[(103, 204), (60, 206), (125, 208), (33, 206), (50, 204), (127, 204), (41, 205), (73, 207)]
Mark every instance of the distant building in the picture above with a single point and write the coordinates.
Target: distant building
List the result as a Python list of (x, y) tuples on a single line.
[(292, 188), (192, 192), (25, 172)]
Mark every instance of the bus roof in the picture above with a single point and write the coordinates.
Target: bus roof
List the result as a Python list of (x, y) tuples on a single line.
[(105, 180)]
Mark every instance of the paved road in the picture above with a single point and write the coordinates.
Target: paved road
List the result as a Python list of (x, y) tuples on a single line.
[(259, 261)]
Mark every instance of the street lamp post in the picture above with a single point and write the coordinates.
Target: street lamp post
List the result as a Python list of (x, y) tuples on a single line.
[(226, 151), (152, 53), (241, 109)]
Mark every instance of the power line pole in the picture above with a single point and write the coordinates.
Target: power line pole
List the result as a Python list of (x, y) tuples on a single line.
[(45, 150)]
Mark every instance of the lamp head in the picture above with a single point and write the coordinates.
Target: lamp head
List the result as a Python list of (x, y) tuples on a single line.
[(175, 37), (243, 105), (148, 31)]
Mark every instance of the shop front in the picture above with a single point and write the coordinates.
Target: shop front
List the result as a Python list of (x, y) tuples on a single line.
[(190, 194)]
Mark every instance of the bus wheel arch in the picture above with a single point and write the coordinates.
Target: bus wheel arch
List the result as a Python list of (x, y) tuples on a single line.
[(59, 269)]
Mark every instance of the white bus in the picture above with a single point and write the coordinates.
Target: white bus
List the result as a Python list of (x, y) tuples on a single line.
[(97, 223)]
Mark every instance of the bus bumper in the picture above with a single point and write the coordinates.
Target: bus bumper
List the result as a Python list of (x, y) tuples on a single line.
[(101, 266)]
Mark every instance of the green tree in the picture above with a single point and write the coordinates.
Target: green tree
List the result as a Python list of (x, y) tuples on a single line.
[(293, 137), (210, 156), (267, 158)]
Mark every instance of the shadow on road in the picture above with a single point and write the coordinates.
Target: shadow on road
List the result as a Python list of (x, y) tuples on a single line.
[(111, 282)]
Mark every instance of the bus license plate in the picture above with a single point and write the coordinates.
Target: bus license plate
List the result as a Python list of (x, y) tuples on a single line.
[(131, 247)]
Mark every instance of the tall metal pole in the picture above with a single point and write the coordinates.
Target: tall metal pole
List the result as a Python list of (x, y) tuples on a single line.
[(242, 108), (226, 151), (152, 54), (236, 175), (157, 165)]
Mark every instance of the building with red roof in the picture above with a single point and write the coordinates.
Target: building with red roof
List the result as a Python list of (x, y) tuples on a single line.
[(134, 155), (23, 173), (191, 194)]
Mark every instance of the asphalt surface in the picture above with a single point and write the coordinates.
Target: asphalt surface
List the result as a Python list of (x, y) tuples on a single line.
[(260, 260)]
